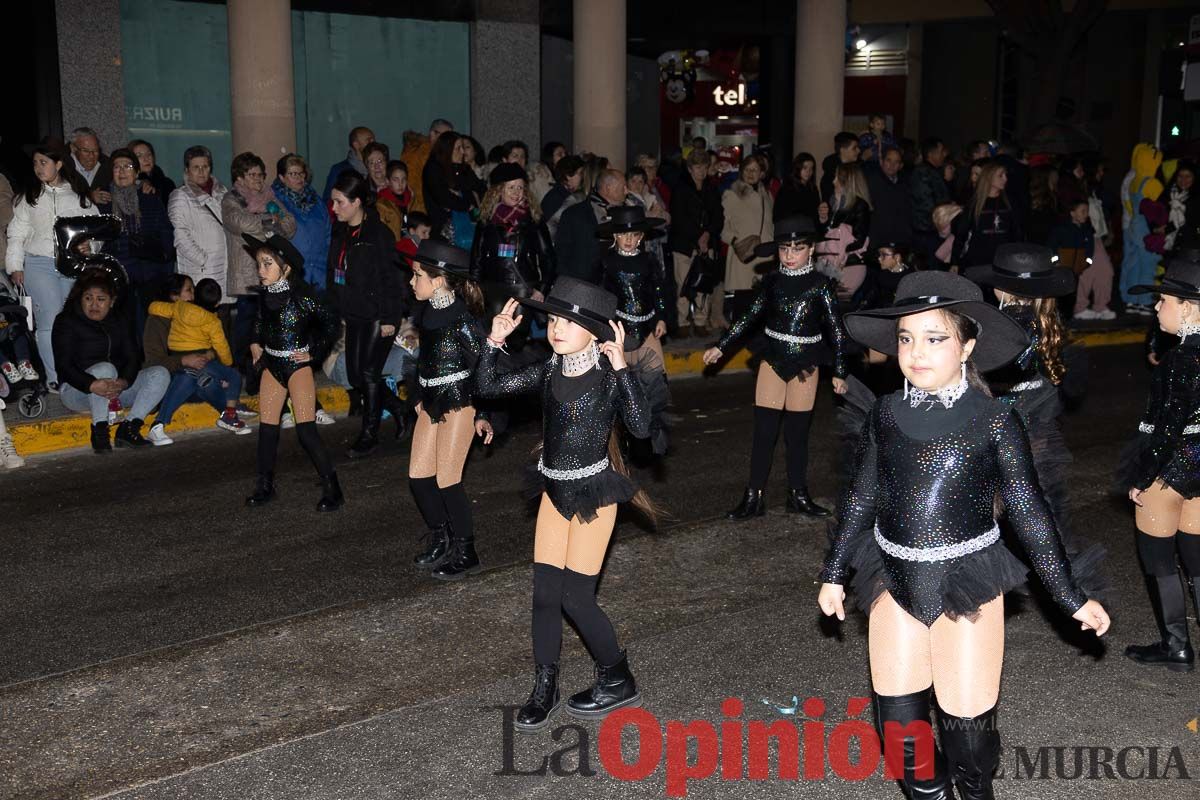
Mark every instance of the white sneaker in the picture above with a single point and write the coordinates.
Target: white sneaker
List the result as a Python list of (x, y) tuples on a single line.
[(324, 417), (287, 420), (11, 373), (27, 371), (234, 426), (158, 435), (8, 453), (1087, 313), (1106, 314)]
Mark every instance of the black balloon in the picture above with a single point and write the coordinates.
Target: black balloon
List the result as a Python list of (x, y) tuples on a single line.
[(71, 232)]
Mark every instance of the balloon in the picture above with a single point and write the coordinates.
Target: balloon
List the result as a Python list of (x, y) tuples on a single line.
[(71, 232)]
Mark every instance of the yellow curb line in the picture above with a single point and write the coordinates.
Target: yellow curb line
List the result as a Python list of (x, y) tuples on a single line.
[(65, 433)]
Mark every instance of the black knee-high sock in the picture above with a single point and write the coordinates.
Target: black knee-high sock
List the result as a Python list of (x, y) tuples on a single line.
[(579, 601), (1157, 553), (762, 449), (310, 440), (429, 501), (458, 509), (1189, 554), (268, 447), (795, 435), (547, 613)]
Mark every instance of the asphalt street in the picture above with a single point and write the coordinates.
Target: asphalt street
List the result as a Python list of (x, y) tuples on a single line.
[(160, 640)]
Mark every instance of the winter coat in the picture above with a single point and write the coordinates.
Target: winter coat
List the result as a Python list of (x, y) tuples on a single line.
[(312, 233), (193, 329), (891, 214), (238, 220), (928, 192), (80, 343), (694, 211), (200, 247), (748, 213), (576, 248), (154, 226), (31, 230), (375, 284), (6, 215)]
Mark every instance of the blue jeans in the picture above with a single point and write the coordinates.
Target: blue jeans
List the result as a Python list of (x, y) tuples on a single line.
[(49, 288), (184, 386), (140, 398)]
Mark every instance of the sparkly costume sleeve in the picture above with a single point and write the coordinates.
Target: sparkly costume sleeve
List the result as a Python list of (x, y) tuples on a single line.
[(857, 514), (1028, 513), (522, 381), (324, 331), (746, 321), (835, 331), (634, 408)]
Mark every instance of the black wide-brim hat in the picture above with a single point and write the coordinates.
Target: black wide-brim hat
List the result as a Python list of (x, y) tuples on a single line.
[(999, 340), (582, 302), (443, 257), (793, 230), (629, 219), (507, 171), (1182, 278), (1026, 270), (280, 246)]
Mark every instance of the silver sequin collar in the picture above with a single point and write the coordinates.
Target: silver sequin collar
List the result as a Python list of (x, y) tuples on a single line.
[(1188, 329), (797, 272), (585, 360), (627, 253), (442, 299), (278, 286), (947, 396)]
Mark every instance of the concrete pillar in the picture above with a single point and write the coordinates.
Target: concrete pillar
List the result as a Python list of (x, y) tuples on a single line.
[(261, 90), (89, 67), (1155, 36), (600, 78), (912, 83), (506, 39), (820, 74)]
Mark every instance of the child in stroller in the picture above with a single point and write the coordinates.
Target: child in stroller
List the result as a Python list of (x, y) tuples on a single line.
[(18, 374)]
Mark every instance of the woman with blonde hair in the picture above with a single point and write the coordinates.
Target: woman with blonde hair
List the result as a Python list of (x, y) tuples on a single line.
[(990, 220), (749, 213), (845, 219)]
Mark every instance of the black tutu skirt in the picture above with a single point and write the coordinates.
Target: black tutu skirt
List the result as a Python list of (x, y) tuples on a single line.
[(581, 497), (440, 401), (788, 360)]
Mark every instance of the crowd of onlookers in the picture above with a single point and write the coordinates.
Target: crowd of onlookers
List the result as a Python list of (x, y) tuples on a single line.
[(178, 324)]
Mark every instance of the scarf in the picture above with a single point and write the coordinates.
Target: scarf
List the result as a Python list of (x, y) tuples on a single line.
[(256, 202), (356, 163), (125, 203), (511, 216), (303, 201), (202, 188), (1177, 213)]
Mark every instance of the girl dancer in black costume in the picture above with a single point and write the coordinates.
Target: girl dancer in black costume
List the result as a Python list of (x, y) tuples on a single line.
[(634, 276), (803, 330), (446, 418), (1164, 472), (582, 481), (917, 524), (293, 331)]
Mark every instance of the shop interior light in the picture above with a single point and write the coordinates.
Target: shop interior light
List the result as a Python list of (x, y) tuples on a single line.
[(860, 44), (1174, 130)]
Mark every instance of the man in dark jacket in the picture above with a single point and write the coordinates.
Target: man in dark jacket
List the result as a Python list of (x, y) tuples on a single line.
[(697, 218), (845, 151), (359, 138), (91, 163), (576, 247), (929, 191), (891, 215)]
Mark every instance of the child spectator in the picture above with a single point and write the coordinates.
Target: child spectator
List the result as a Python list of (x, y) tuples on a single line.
[(195, 328), (417, 228), (15, 350), (876, 139), (1075, 242), (395, 198)]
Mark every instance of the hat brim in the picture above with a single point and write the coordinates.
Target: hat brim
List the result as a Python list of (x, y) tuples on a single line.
[(1000, 340), (771, 248), (294, 259), (600, 328), (441, 266), (1143, 288), (651, 226), (1058, 283)]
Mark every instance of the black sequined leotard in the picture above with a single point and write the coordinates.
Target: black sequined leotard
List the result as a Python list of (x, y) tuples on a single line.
[(803, 327), (918, 520), (578, 414), (450, 342), (641, 300), (1168, 443), (291, 319)]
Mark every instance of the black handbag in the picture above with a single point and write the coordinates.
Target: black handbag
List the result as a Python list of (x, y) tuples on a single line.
[(704, 275)]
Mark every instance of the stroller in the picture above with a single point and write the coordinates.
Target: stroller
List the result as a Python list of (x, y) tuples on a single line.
[(29, 394)]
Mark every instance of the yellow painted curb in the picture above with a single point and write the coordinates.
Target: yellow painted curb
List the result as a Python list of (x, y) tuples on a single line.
[(65, 433)]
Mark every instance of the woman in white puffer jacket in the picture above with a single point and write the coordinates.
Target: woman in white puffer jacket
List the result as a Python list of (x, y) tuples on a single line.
[(29, 260), (195, 213)]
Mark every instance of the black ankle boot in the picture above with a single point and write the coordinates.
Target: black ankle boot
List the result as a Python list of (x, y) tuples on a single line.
[(972, 746), (798, 502), (439, 548), (922, 779), (460, 562), (356, 403), (368, 437), (331, 494), (129, 434), (264, 490), (1174, 649), (101, 444), (754, 504), (543, 700), (614, 688)]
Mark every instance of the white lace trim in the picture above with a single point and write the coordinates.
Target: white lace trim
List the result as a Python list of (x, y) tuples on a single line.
[(577, 364), (572, 474), (790, 339), (1188, 329), (944, 552), (1025, 386), (947, 396), (1145, 427), (1190, 429), (635, 318), (797, 272), (444, 379), (284, 353), (441, 300)]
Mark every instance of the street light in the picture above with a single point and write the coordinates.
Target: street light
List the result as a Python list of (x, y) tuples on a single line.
[(860, 44)]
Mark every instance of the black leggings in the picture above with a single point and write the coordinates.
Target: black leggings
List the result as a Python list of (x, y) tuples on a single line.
[(366, 352)]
